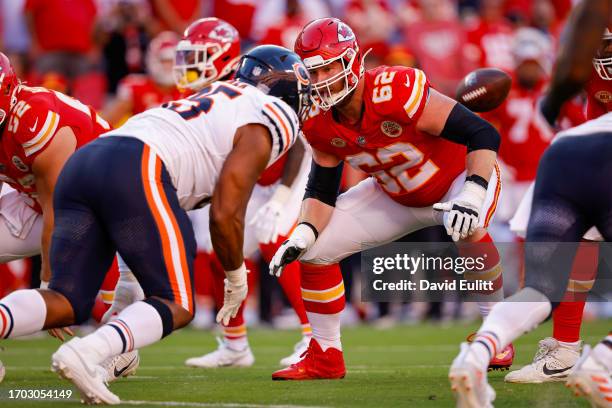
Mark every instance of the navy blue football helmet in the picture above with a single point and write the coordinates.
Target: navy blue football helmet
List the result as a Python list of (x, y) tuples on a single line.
[(279, 72)]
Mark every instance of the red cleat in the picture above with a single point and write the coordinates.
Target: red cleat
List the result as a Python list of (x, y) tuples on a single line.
[(503, 360), (314, 365)]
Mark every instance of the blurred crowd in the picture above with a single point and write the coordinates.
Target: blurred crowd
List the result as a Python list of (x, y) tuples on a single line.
[(85, 48)]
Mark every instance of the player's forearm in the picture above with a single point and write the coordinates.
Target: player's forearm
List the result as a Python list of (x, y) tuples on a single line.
[(316, 213), (574, 64), (481, 162), (227, 236)]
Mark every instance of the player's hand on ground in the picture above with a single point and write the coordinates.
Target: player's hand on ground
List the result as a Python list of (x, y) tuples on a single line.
[(59, 333), (302, 238), (234, 293), (463, 211)]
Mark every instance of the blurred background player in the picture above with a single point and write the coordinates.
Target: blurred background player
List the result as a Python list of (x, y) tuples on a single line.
[(388, 122), (40, 129), (208, 52), (138, 92), (556, 355)]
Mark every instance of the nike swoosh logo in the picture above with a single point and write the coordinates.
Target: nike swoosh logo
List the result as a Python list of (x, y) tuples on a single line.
[(33, 128), (548, 371), (407, 81), (119, 372)]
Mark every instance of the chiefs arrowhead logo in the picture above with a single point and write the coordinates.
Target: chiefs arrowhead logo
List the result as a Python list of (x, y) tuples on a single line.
[(17, 162), (223, 32), (345, 33), (604, 96), (391, 129)]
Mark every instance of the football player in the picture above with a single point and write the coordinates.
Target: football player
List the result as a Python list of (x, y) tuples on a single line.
[(565, 205), (209, 51), (210, 147), (414, 143), (138, 92), (556, 355), (40, 129)]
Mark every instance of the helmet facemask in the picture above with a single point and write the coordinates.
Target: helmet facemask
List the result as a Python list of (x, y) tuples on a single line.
[(603, 61), (322, 94), (194, 65)]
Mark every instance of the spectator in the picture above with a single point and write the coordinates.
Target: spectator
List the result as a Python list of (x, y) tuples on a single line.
[(125, 28), (177, 15), (287, 29), (271, 13), (62, 45), (437, 39), (373, 24), (490, 36), (15, 40)]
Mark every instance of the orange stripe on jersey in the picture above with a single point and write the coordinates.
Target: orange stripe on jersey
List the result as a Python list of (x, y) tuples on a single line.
[(43, 137), (412, 105), (286, 134), (493, 206), (149, 180)]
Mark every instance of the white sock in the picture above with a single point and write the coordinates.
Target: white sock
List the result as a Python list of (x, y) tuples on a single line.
[(484, 307), (509, 320), (603, 352), (237, 344), (22, 312), (137, 326), (570, 345), (326, 329)]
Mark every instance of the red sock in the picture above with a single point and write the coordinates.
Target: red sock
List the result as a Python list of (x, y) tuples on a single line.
[(290, 282), (567, 317)]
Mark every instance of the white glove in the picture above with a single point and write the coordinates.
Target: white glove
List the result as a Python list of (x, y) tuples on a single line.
[(236, 290), (302, 238), (463, 210), (268, 217), (127, 291)]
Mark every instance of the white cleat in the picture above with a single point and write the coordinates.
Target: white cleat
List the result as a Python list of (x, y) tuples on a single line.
[(223, 357), (469, 383), (552, 362), (2, 371), (299, 349), (122, 365), (71, 363), (591, 379)]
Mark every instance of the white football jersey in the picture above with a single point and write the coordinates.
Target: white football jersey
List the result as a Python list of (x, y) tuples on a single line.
[(194, 136)]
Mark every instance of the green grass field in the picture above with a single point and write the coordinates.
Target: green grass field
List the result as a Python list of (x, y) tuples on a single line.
[(405, 366)]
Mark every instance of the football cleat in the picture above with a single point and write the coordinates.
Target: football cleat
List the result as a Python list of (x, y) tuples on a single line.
[(469, 383), (71, 363), (502, 360), (2, 371), (122, 365), (552, 362), (315, 364), (591, 379), (223, 356), (299, 349)]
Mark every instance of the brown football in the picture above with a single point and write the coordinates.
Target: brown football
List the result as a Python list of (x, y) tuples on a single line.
[(483, 89)]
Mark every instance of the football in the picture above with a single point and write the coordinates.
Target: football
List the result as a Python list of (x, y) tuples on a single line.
[(483, 89)]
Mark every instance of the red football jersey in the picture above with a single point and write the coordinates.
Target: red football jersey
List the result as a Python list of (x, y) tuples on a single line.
[(416, 169), (492, 42), (599, 96), (143, 93), (31, 125)]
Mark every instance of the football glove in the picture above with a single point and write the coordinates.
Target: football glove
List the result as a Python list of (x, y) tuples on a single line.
[(127, 291), (236, 290), (462, 212), (268, 218), (301, 239)]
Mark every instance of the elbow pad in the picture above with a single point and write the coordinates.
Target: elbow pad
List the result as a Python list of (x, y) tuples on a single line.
[(469, 129), (324, 183)]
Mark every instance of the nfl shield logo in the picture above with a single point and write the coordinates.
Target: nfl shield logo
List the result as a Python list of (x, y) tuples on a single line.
[(361, 140)]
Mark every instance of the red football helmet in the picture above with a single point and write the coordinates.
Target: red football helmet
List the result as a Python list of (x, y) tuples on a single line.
[(160, 57), (8, 85), (603, 61), (322, 42), (209, 51)]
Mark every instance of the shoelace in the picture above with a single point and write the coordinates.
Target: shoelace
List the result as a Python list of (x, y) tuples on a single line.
[(545, 347)]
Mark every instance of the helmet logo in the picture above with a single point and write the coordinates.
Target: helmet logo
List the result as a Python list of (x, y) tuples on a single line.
[(604, 96), (301, 73), (223, 32), (345, 33)]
